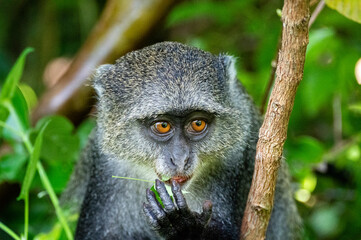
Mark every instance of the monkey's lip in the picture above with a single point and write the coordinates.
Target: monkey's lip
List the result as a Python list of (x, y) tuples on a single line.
[(179, 179)]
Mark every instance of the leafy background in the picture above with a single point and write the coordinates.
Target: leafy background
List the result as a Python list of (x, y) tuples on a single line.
[(324, 138)]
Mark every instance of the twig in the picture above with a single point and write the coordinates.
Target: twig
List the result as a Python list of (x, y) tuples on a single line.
[(316, 12), (274, 62), (272, 76)]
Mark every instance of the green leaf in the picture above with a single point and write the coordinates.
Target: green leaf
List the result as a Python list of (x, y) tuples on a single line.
[(14, 76), (60, 150), (4, 114), (320, 67), (29, 96), (349, 8), (34, 158), (21, 109), (60, 143), (169, 190), (221, 12), (355, 108), (157, 195), (10, 166), (303, 154), (54, 233), (84, 130)]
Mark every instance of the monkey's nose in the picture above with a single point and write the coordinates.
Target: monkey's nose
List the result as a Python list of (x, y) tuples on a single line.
[(180, 163)]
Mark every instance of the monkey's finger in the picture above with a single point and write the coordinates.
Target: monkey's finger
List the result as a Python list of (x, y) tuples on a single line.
[(164, 196), (164, 228), (150, 216), (156, 207), (207, 211), (178, 196)]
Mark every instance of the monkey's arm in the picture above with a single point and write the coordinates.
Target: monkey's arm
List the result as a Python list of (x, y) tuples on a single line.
[(176, 220)]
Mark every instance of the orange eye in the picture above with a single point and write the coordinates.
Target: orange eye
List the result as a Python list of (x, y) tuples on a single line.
[(162, 127), (198, 125)]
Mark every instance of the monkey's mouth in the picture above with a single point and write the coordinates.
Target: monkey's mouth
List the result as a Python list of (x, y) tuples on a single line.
[(181, 180)]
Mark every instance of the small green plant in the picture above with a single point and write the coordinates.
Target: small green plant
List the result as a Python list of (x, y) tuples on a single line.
[(51, 140)]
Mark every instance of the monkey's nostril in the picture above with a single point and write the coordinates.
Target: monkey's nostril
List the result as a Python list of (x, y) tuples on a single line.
[(172, 161)]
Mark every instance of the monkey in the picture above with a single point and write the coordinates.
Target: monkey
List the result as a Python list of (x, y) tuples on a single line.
[(174, 112)]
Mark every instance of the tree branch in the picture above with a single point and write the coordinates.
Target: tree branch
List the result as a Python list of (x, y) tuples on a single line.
[(121, 28), (273, 133)]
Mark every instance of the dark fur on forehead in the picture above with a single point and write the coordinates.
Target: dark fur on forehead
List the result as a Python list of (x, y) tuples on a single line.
[(169, 75)]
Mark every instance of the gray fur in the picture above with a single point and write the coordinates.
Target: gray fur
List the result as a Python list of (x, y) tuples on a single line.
[(171, 78)]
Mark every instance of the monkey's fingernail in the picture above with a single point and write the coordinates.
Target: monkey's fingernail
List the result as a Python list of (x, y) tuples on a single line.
[(158, 183), (175, 184)]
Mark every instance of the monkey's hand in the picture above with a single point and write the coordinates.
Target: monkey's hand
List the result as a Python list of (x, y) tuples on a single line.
[(175, 220)]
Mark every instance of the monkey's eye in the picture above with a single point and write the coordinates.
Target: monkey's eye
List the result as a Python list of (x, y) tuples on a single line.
[(197, 126), (161, 127)]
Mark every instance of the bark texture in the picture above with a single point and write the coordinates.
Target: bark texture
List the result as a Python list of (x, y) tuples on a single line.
[(273, 133)]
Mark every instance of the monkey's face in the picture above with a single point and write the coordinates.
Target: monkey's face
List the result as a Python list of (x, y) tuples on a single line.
[(178, 138), (169, 109)]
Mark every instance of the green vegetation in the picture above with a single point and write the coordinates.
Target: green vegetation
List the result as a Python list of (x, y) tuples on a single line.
[(323, 147), (51, 137)]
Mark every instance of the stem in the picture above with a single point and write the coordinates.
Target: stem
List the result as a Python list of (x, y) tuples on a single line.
[(46, 183), (316, 12), (44, 179), (29, 147), (26, 216), (143, 180), (9, 231), (12, 112), (4, 125), (272, 76)]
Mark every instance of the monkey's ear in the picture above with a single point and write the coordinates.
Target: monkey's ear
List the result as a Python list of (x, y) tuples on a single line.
[(99, 76), (229, 63)]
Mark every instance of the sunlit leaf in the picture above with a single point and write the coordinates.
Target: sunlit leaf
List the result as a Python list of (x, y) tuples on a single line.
[(29, 96), (349, 8), (54, 233), (34, 158), (309, 182), (14, 76), (356, 108)]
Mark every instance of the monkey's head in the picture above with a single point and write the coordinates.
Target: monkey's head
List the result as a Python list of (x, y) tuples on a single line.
[(173, 109)]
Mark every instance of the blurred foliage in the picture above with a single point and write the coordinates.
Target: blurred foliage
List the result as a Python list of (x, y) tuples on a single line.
[(324, 139), (349, 8)]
